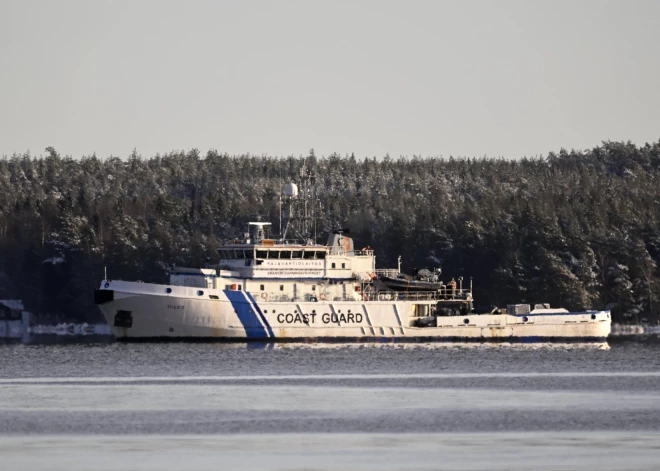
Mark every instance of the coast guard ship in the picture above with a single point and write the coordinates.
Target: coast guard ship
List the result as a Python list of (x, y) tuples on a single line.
[(279, 289)]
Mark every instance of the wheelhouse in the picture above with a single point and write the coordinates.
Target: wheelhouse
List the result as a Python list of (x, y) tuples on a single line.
[(272, 253)]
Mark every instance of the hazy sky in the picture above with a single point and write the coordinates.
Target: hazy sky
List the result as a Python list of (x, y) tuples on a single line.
[(469, 78)]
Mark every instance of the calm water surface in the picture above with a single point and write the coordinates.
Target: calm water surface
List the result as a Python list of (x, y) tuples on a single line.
[(298, 406)]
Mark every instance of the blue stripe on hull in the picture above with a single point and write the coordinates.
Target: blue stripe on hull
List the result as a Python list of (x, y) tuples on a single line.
[(250, 320), (261, 314)]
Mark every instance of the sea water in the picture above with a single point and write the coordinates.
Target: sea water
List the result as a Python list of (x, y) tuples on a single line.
[(159, 406)]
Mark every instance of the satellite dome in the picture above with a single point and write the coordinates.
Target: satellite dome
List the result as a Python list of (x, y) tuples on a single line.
[(291, 190)]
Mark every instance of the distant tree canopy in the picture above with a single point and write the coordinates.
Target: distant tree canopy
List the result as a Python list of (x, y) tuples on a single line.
[(576, 229)]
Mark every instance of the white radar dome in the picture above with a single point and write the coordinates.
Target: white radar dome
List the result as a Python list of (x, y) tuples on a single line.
[(291, 190)]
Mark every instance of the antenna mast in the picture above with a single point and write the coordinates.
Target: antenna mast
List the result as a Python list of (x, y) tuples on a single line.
[(301, 217), (281, 235)]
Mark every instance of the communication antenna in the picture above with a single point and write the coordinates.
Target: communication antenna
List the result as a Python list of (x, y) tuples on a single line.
[(281, 235), (301, 198)]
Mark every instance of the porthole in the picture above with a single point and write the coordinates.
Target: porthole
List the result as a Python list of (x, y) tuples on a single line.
[(168, 290), (466, 321), (525, 319), (200, 293), (593, 317), (107, 285)]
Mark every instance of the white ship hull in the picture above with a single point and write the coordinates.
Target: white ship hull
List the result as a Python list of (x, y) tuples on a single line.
[(148, 311)]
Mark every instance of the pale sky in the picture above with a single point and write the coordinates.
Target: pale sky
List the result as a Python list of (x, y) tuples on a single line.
[(462, 78)]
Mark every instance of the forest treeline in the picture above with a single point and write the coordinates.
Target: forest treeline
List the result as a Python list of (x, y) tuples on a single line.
[(578, 229)]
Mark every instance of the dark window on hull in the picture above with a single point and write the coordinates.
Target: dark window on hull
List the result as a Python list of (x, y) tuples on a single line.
[(124, 319)]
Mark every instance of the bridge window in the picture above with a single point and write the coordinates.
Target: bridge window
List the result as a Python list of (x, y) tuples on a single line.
[(296, 254), (239, 254), (249, 254), (262, 254), (320, 255), (309, 254)]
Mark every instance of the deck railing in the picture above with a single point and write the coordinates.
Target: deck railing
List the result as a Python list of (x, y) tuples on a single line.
[(349, 253), (443, 295), (369, 296), (388, 272)]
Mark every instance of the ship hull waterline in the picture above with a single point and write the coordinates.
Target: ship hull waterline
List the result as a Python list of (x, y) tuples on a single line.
[(147, 312)]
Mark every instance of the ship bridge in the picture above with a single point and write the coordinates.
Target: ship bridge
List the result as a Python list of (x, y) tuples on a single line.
[(258, 257)]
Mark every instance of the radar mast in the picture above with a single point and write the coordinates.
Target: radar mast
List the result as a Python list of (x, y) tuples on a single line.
[(302, 206)]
